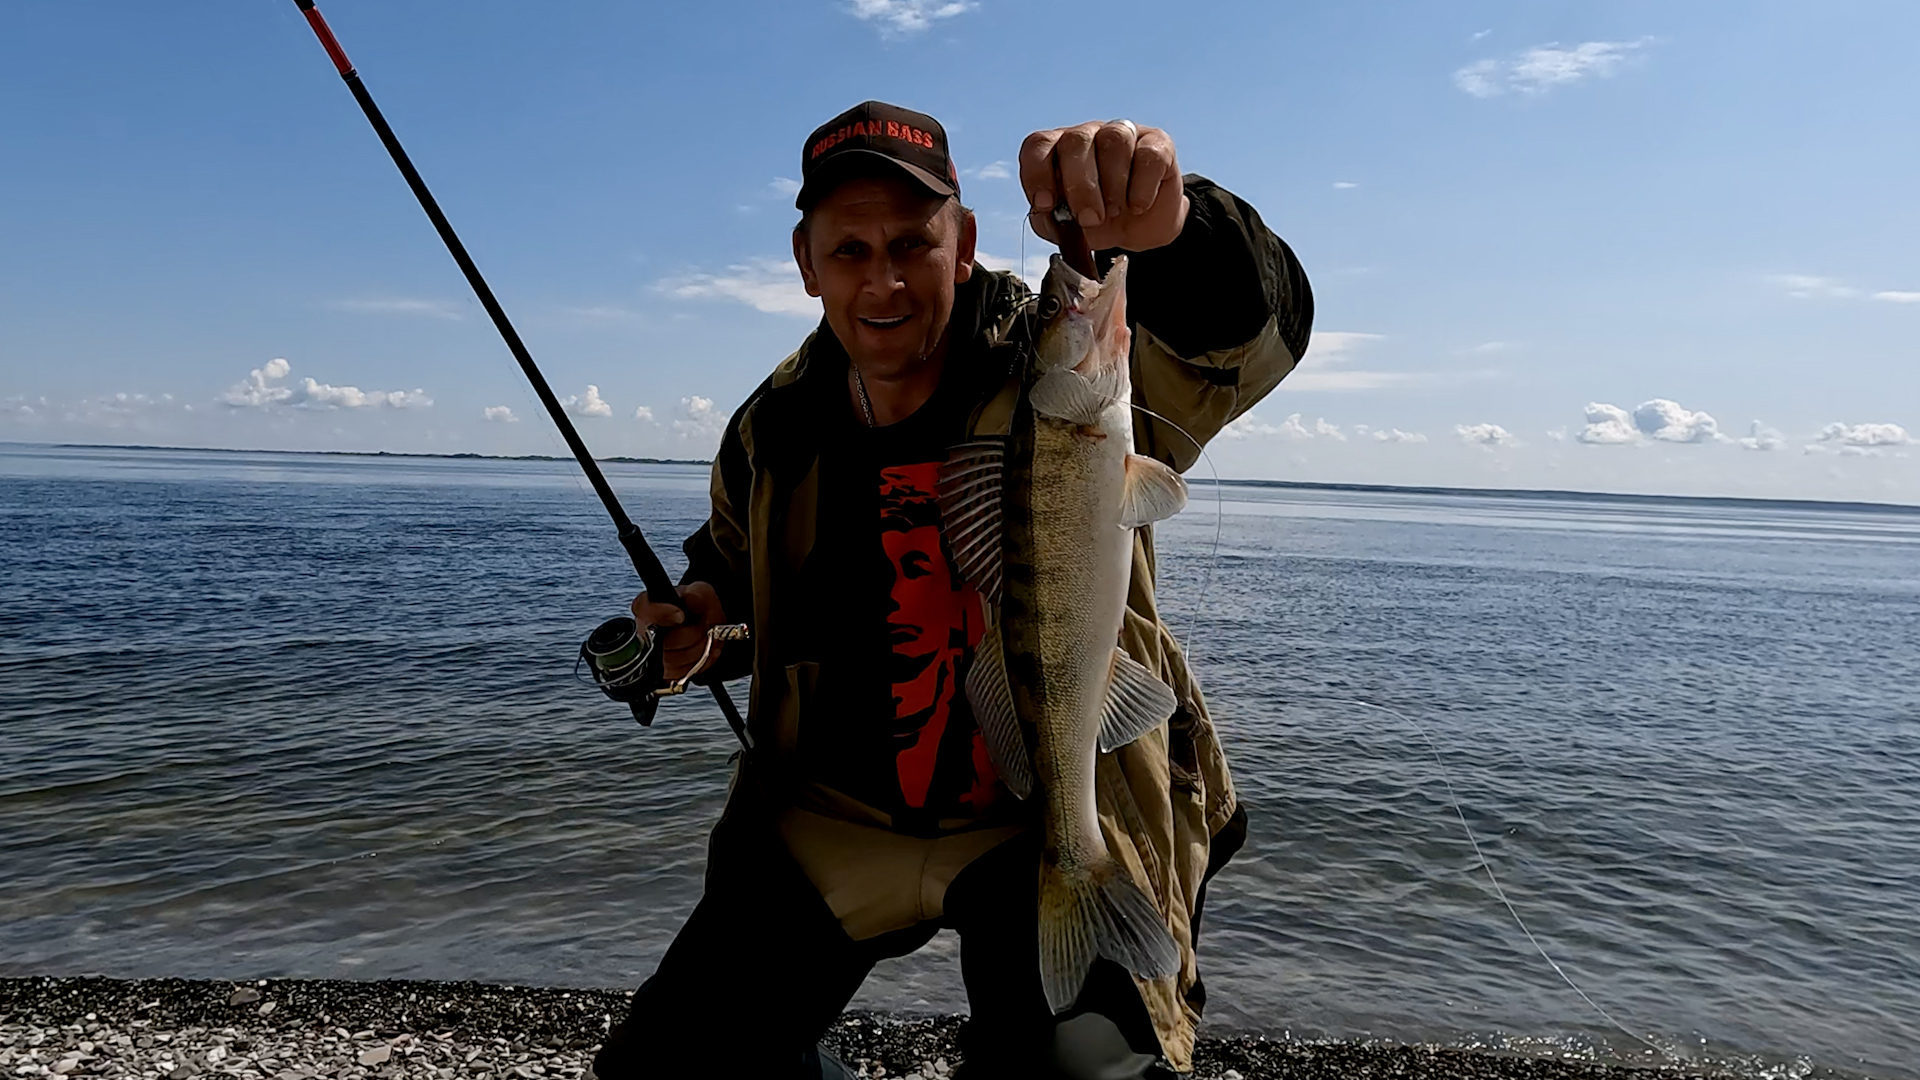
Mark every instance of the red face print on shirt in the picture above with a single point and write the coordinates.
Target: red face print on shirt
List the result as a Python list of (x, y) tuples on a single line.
[(933, 624)]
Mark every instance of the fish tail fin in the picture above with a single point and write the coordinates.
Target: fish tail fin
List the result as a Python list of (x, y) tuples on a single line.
[(1094, 913)]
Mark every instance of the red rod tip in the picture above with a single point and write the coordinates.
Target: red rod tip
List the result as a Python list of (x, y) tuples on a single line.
[(327, 40)]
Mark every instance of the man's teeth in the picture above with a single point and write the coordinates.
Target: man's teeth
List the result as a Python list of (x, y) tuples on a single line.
[(886, 324)]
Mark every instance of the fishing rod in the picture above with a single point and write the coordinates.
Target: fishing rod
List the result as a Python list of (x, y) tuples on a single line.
[(627, 663)]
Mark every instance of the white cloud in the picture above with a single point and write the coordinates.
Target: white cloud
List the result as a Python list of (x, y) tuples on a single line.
[(1324, 365), (1668, 422), (1338, 342), (400, 306), (1659, 419), (898, 18), (1608, 425), (1761, 437), (328, 396), (600, 313), (766, 284), (264, 388), (643, 414), (1543, 67), (1897, 297), (1485, 435), (1480, 79), (1031, 273), (260, 389), (588, 404), (1344, 185), (994, 170), (1866, 435), (499, 414), (1808, 286), (783, 185), (1486, 347), (1395, 435), (700, 420), (1250, 426), (1483, 33)]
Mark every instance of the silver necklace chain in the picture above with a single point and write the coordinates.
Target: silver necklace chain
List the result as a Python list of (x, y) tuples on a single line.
[(866, 403)]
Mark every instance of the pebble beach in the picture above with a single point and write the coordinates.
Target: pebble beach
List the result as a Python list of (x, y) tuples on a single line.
[(296, 1029)]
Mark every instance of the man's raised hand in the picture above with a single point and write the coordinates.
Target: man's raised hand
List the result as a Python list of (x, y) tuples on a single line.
[(683, 633), (1121, 181)]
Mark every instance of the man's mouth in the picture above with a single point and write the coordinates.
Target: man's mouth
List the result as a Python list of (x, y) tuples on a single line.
[(887, 323)]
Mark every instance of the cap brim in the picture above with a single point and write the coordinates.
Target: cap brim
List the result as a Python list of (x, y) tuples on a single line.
[(849, 164)]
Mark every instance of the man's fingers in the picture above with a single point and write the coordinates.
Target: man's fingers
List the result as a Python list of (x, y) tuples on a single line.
[(1121, 182), (1113, 146), (648, 613), (1153, 165), (1080, 175), (1036, 169)]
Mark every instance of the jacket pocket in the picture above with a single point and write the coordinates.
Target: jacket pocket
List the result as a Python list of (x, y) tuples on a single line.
[(796, 693)]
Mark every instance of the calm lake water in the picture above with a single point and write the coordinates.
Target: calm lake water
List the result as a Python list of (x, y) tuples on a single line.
[(286, 715)]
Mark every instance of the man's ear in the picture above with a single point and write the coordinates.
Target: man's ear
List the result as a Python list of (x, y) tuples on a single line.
[(963, 259), (803, 258)]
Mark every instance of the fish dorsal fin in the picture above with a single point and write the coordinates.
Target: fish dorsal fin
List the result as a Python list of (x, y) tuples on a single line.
[(1154, 492), (1065, 394), (969, 493), (991, 695), (1137, 702)]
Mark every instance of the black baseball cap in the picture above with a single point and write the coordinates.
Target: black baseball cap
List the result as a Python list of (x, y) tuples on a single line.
[(874, 138)]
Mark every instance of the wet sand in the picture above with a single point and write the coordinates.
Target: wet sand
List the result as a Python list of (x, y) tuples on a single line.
[(292, 1029)]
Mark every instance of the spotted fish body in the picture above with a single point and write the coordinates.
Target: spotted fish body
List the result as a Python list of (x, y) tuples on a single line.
[(1050, 687)]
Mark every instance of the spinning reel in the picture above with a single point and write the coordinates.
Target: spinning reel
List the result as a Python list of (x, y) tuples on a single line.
[(628, 664)]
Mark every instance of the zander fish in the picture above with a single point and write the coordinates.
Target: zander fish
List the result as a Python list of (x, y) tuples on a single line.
[(1042, 523)]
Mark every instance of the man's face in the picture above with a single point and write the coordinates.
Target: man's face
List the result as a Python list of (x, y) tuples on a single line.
[(883, 256)]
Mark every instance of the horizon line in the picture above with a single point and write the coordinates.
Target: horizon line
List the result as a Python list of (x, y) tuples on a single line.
[(1299, 485)]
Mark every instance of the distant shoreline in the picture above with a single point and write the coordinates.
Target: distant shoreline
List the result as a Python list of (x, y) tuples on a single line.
[(363, 453), (1538, 494)]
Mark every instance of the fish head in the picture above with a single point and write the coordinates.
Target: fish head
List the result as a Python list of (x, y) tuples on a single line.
[(1083, 322)]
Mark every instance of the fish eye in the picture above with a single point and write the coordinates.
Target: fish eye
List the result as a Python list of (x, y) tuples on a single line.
[(1049, 307)]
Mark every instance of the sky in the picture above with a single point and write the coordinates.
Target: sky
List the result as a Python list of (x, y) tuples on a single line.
[(1646, 247)]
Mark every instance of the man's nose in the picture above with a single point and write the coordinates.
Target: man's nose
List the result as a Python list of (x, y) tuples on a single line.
[(884, 277)]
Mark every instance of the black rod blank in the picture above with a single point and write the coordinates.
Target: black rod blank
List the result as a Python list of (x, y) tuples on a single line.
[(652, 574)]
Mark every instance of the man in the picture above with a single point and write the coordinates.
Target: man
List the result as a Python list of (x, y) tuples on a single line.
[(868, 814)]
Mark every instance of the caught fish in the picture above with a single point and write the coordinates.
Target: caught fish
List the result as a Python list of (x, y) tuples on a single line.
[(1042, 524)]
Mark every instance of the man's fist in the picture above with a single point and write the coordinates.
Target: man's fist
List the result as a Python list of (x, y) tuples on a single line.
[(683, 633), (1121, 181)]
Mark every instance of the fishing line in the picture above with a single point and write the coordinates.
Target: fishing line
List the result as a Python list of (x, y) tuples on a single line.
[(1487, 865), (1219, 520), (1432, 748)]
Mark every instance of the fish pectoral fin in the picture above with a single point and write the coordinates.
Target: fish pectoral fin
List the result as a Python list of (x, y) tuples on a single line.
[(1137, 702), (969, 493), (991, 695), (1065, 394), (1093, 914), (1154, 492)]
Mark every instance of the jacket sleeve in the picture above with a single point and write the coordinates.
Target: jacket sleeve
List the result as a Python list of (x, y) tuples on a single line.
[(1220, 316), (718, 552)]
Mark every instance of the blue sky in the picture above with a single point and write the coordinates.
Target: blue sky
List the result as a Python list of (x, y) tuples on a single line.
[(1627, 246)]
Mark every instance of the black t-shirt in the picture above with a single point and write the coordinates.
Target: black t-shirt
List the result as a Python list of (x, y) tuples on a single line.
[(894, 628)]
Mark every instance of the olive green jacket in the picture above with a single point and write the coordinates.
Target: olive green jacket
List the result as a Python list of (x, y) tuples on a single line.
[(1219, 318)]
